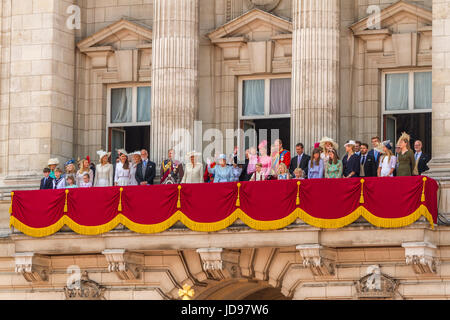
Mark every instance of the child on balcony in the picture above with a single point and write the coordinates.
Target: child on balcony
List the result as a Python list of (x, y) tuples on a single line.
[(283, 173), (258, 175), (86, 183), (70, 182), (298, 174), (59, 182)]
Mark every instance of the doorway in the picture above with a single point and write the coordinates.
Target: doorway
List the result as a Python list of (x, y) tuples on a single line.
[(417, 125), (130, 139), (270, 129)]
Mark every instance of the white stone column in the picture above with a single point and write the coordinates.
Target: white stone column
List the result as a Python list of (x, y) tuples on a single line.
[(315, 71), (440, 163), (174, 74)]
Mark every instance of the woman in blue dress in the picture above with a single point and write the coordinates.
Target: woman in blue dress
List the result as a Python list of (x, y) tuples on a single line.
[(221, 172)]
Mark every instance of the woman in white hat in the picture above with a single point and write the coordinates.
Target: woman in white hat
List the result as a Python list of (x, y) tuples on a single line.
[(123, 174), (135, 160), (193, 172), (351, 161), (387, 161), (52, 163), (84, 168), (221, 172), (327, 144), (103, 170)]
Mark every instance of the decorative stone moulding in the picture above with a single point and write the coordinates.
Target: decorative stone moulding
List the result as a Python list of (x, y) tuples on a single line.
[(33, 267), (127, 265), (421, 256), (220, 263), (320, 260)]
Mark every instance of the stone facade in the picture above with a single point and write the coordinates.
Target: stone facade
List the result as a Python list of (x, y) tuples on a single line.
[(54, 102)]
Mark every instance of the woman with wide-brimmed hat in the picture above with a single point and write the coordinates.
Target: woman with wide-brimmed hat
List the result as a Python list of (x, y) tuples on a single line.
[(103, 170), (351, 161), (193, 172), (134, 159), (327, 144), (52, 164), (387, 161)]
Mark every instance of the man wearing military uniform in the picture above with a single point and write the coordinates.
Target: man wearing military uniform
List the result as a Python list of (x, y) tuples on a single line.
[(171, 170)]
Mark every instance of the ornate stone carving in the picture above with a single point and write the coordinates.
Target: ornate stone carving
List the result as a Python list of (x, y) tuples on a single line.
[(421, 256), (220, 263), (84, 289), (33, 267), (320, 260), (266, 5), (376, 285), (127, 265)]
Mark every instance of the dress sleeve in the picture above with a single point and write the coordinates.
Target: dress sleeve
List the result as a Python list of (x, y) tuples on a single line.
[(341, 169), (111, 168), (320, 168), (96, 176), (116, 178), (200, 173), (91, 176)]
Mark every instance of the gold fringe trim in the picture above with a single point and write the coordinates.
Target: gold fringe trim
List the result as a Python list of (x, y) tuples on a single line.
[(223, 224), (422, 199), (297, 201), (179, 197), (10, 207), (361, 199), (65, 203), (119, 208)]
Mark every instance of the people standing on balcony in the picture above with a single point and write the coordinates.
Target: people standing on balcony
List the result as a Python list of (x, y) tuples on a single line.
[(387, 160), (351, 161), (299, 174), (259, 174), (326, 145), (252, 161), (134, 159), (264, 159), (243, 176), (405, 159), (86, 182), (171, 170), (236, 170), (145, 170), (358, 147), (333, 167), (208, 177), (368, 165), (70, 182), (104, 170), (283, 172), (300, 160), (52, 163), (221, 172), (123, 173), (375, 153), (315, 165), (70, 169), (283, 155), (193, 171), (422, 159), (46, 181), (59, 182), (84, 168)]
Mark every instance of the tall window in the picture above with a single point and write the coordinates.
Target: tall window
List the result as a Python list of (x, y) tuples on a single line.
[(128, 118), (265, 98), (406, 105)]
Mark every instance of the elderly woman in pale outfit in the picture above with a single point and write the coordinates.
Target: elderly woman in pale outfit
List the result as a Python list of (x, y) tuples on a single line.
[(221, 172), (193, 172), (135, 160), (122, 175), (103, 170), (84, 168)]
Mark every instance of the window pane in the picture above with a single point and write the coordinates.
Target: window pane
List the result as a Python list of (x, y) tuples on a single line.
[(121, 103), (253, 100), (143, 104), (397, 91), (280, 96), (422, 90)]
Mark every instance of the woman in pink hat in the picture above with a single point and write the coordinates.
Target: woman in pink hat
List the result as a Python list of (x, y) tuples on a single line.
[(264, 159)]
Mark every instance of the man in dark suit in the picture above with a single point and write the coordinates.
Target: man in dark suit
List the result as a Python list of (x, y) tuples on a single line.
[(376, 141), (422, 159), (47, 181), (146, 170), (301, 160), (368, 166)]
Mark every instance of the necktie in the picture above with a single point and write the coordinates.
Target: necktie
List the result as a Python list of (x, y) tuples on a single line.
[(417, 156), (298, 161), (144, 167), (363, 160)]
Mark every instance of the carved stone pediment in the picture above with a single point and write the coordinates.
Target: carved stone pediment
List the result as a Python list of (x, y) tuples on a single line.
[(33, 267), (396, 18), (266, 5), (376, 285), (220, 263), (84, 289), (320, 260), (256, 42)]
